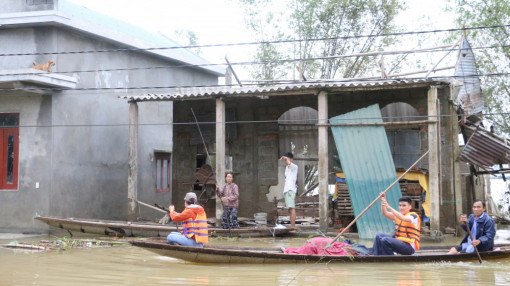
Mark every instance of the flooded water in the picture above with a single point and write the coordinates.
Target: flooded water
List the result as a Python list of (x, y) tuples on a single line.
[(127, 265)]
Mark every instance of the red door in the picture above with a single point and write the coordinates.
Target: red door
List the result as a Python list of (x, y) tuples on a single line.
[(9, 147)]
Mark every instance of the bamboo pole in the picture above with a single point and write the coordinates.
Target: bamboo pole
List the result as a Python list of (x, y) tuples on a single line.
[(376, 199), (471, 236)]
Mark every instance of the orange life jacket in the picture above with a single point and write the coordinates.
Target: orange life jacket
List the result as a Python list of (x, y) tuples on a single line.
[(196, 228), (407, 232)]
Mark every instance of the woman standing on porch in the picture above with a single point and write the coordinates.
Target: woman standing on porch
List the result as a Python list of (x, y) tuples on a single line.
[(229, 195)]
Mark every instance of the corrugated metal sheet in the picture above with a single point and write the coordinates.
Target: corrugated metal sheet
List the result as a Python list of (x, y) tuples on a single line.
[(303, 88), (368, 167), (470, 95), (484, 149)]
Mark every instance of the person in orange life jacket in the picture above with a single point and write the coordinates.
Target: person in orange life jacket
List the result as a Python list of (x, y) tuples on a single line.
[(229, 195), (194, 226), (407, 226), (483, 230)]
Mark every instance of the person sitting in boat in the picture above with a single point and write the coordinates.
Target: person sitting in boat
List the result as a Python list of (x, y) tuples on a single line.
[(407, 226), (194, 226), (229, 195), (483, 231)]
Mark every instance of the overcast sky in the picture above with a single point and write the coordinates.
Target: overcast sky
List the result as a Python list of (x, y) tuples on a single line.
[(221, 21)]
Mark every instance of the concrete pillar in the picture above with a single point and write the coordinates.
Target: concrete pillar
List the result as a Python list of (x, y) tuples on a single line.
[(456, 184), (220, 153), (133, 161), (323, 159), (434, 179), (301, 176)]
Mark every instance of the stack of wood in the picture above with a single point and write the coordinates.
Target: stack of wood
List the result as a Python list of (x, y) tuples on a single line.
[(343, 204)]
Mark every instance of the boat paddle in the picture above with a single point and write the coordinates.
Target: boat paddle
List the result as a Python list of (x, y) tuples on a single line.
[(162, 207), (150, 206), (378, 197), (471, 236), (168, 212), (159, 208)]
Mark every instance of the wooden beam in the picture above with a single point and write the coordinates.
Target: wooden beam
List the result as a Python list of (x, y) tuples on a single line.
[(438, 62), (415, 122), (301, 75), (323, 159), (492, 172), (233, 72), (133, 161), (433, 161)]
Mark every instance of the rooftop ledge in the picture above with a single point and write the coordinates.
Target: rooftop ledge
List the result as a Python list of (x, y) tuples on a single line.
[(31, 79)]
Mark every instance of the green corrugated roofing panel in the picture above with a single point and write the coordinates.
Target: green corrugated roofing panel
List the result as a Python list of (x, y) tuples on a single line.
[(368, 167)]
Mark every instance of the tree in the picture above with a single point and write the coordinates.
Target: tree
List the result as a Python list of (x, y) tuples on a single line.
[(495, 58), (316, 19), (185, 38)]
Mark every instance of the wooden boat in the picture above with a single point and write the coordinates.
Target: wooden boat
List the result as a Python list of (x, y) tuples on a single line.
[(217, 254), (141, 229)]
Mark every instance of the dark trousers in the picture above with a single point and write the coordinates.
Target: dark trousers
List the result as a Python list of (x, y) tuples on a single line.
[(386, 245), (229, 218)]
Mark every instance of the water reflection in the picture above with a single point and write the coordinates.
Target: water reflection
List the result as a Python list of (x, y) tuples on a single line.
[(126, 265)]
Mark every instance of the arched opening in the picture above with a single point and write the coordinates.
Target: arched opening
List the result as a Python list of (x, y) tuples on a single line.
[(298, 134), (404, 141), (405, 144)]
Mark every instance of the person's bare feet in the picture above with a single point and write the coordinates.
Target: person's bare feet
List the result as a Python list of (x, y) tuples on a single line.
[(453, 251)]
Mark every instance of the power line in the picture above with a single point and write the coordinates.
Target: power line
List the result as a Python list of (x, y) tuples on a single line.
[(283, 61), (258, 42), (276, 82), (297, 121)]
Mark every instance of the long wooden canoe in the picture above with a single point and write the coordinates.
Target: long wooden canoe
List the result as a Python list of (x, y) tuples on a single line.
[(217, 254), (140, 229)]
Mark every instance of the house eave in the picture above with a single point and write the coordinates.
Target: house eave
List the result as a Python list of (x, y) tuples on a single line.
[(34, 81), (59, 19)]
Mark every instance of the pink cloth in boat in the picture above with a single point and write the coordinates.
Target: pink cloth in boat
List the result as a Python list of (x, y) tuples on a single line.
[(316, 245)]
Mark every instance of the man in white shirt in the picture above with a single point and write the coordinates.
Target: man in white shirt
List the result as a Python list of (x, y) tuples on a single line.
[(290, 188)]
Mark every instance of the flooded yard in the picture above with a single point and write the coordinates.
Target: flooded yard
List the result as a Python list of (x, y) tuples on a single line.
[(127, 265)]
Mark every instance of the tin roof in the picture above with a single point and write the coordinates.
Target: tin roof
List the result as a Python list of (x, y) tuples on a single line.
[(470, 96), (483, 148), (183, 93), (368, 167)]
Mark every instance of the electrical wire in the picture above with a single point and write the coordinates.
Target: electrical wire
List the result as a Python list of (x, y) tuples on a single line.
[(276, 82), (258, 42), (296, 121), (246, 63)]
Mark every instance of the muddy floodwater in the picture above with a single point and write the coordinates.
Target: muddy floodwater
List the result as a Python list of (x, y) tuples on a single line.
[(127, 265)]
